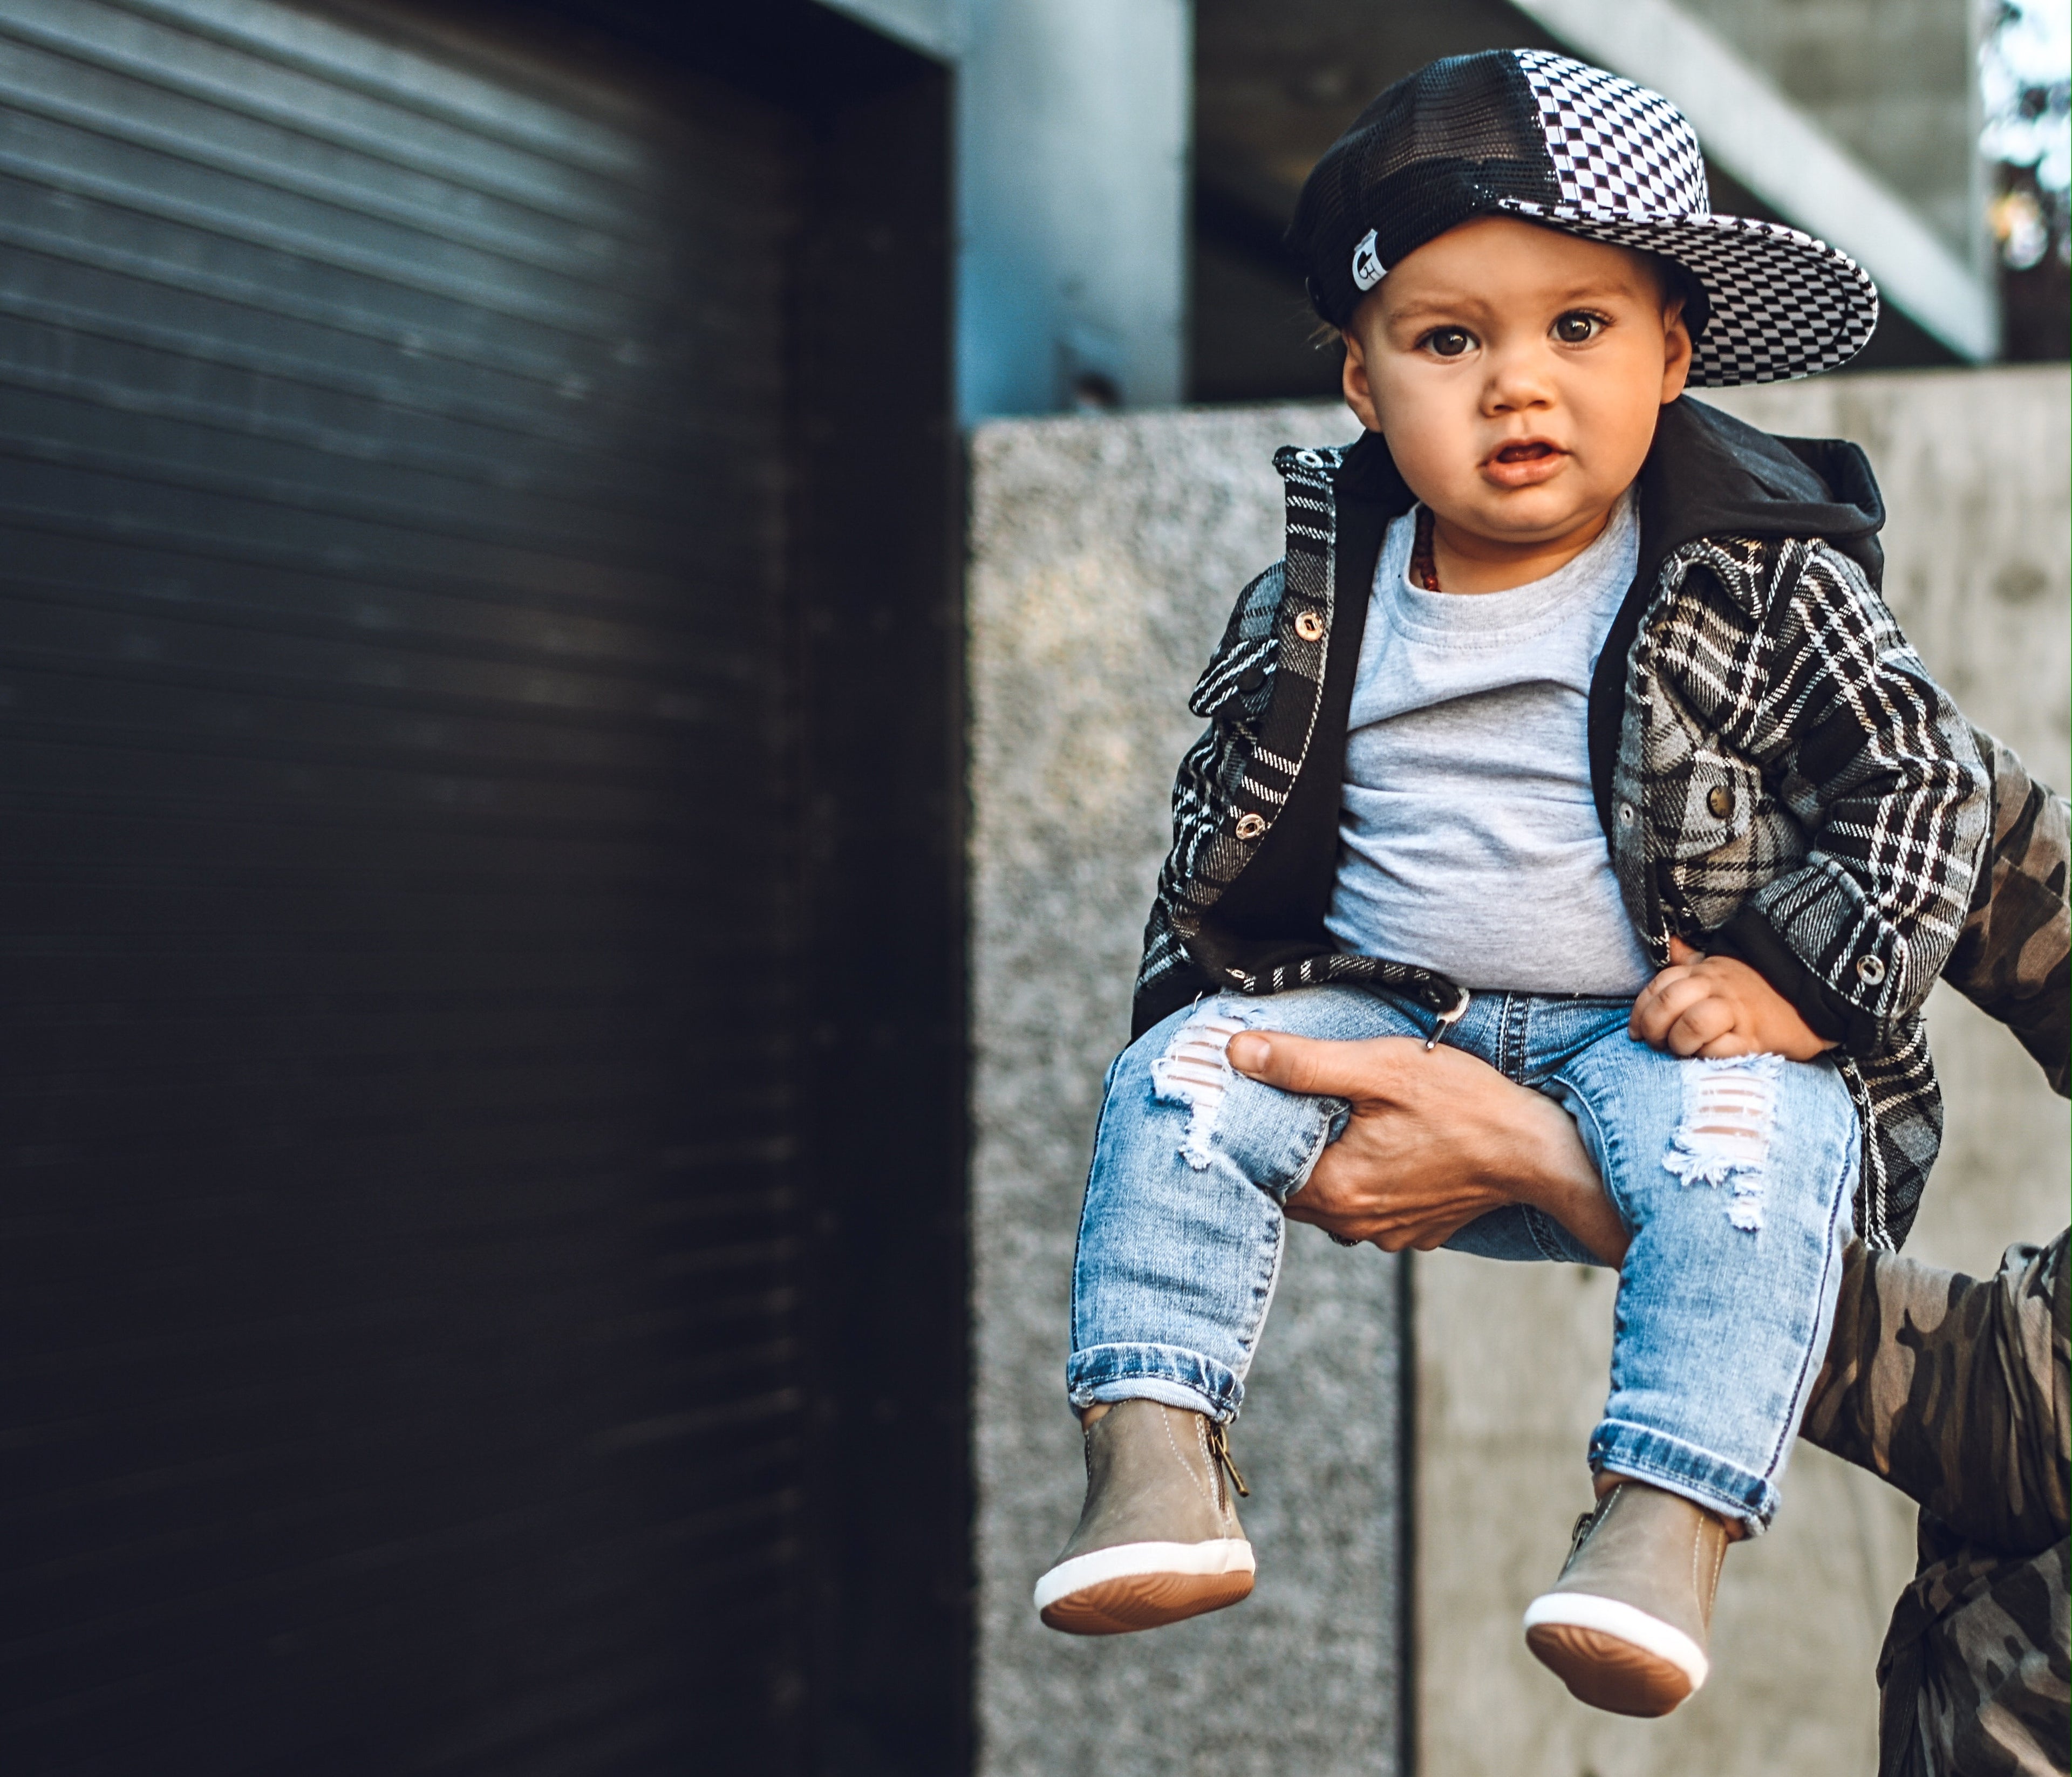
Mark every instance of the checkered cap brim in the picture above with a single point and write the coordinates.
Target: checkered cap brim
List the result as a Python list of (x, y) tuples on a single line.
[(1538, 136), (1783, 304), (1631, 174)]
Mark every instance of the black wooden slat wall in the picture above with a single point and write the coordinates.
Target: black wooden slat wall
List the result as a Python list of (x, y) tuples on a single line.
[(435, 1296)]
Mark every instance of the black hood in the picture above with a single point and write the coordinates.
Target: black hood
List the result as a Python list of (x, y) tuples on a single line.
[(1709, 474)]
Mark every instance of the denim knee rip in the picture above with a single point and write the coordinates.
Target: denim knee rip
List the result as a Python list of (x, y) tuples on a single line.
[(1729, 1108), (1196, 1071)]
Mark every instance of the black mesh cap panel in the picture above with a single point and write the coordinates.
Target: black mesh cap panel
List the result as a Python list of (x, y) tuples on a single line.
[(1450, 141)]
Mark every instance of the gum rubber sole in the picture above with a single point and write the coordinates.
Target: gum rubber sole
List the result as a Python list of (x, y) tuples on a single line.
[(1145, 1601), (1607, 1672)]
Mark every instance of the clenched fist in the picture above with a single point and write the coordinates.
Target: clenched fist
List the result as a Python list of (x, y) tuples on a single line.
[(1715, 1007)]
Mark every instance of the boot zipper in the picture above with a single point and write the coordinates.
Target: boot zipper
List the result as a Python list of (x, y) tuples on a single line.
[(1219, 1448)]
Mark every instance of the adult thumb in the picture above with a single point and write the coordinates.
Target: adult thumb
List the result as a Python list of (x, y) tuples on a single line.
[(1308, 1064)]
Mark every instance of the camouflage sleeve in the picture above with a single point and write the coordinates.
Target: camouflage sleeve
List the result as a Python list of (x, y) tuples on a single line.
[(1972, 1681), (2010, 958), (1954, 1390)]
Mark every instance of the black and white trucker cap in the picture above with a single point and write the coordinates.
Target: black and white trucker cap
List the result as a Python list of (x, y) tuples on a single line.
[(1524, 132)]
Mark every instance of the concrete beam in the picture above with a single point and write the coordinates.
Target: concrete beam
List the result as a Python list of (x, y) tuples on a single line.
[(1073, 119), (1073, 127), (1774, 150), (936, 28)]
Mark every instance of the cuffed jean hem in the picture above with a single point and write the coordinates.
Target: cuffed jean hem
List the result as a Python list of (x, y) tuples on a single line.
[(1668, 1463), (1154, 1372)]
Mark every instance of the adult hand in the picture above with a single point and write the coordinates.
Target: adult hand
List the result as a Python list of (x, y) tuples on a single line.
[(1437, 1138)]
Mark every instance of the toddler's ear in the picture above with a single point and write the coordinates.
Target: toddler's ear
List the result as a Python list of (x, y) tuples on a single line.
[(1676, 353), (1358, 388)]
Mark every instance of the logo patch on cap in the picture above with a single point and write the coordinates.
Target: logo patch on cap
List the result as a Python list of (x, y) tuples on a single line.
[(1367, 267)]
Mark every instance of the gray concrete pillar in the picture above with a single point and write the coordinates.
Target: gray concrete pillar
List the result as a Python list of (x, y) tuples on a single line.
[(1074, 122), (1106, 554), (1972, 464)]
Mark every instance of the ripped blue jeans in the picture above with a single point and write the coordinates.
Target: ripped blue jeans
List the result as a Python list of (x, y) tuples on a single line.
[(1734, 1177)]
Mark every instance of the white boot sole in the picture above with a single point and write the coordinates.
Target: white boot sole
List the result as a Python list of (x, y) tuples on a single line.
[(1614, 1655), (1145, 1584)]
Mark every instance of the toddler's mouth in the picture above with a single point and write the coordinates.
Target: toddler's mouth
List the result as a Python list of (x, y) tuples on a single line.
[(1523, 461)]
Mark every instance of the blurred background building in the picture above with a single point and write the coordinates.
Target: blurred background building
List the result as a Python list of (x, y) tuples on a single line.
[(1916, 134), (492, 1248)]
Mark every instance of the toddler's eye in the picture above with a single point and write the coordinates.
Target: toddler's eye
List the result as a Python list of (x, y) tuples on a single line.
[(1575, 328), (1450, 342)]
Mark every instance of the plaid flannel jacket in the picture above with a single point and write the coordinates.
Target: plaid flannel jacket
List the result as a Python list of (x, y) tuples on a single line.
[(1778, 777)]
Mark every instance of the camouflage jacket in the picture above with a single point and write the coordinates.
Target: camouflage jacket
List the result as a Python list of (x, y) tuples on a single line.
[(1956, 1390), (2010, 958)]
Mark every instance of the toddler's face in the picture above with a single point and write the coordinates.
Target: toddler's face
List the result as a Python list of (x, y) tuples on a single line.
[(1517, 373)]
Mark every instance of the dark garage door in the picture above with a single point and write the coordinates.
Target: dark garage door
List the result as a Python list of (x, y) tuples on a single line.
[(449, 1317)]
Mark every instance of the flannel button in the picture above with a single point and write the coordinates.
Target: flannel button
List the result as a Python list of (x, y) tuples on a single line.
[(1721, 801), (1252, 679), (1308, 459), (1309, 626), (1869, 970), (1250, 826), (1626, 813)]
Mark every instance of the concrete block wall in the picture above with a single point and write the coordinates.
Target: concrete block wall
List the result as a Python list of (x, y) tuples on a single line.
[(1105, 555)]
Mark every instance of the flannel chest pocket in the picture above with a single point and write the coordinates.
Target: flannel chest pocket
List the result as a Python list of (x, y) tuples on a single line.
[(1716, 830)]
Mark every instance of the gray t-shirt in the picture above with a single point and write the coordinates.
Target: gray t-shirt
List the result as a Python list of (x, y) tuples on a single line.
[(1468, 840)]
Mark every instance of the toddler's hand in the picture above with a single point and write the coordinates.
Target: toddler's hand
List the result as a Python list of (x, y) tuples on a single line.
[(1717, 1007)]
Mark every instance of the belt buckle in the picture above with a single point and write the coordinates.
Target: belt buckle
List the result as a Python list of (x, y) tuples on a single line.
[(1448, 1020)]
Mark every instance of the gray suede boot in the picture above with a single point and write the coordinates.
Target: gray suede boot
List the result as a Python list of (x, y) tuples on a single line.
[(1627, 1625), (1158, 1539)]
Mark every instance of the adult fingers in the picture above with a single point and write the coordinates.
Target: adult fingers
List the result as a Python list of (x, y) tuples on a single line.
[(1343, 1220), (1344, 1197), (1341, 1196)]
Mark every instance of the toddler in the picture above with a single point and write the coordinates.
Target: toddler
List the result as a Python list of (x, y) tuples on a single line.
[(1571, 730)]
